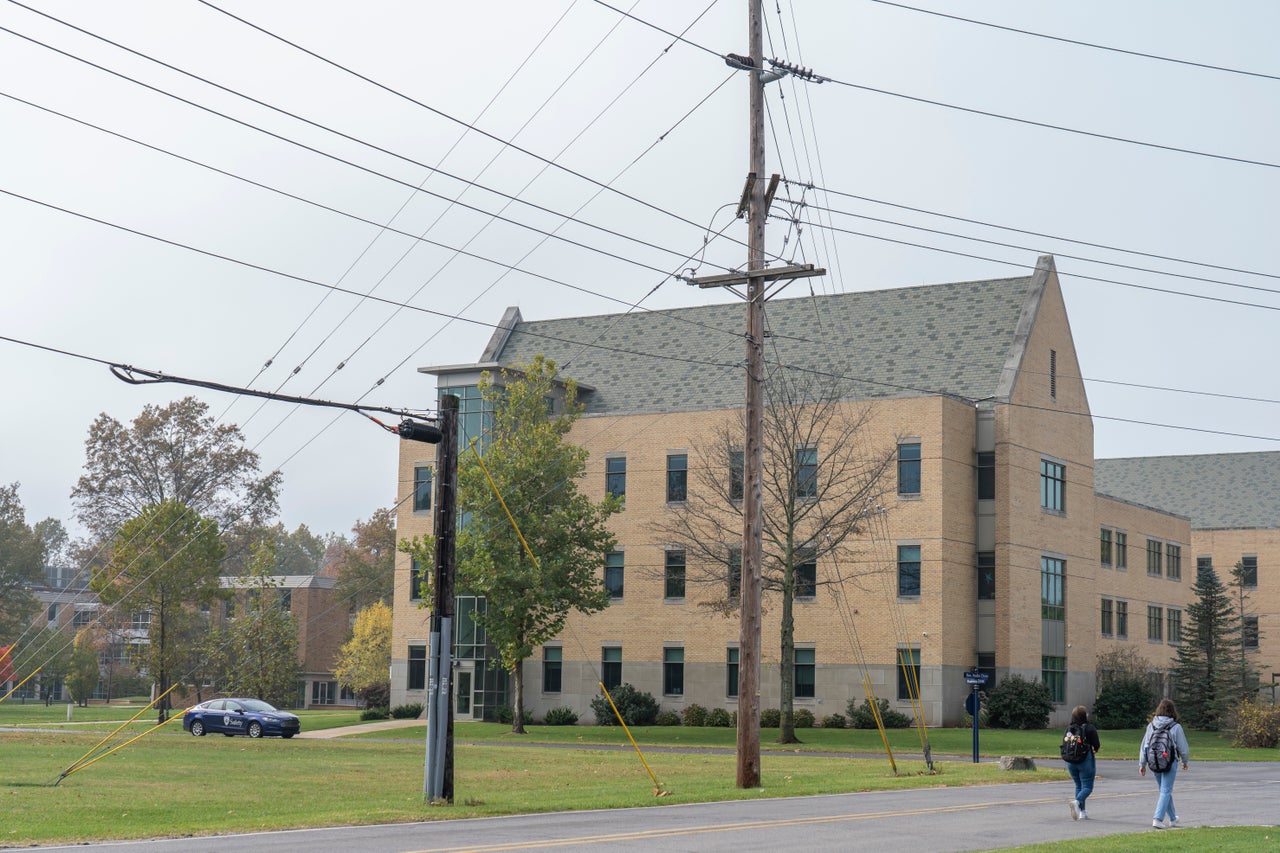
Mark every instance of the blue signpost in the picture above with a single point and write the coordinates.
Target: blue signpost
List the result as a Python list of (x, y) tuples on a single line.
[(973, 703)]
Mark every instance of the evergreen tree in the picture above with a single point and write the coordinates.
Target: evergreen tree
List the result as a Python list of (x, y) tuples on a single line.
[(1247, 673), (1207, 672)]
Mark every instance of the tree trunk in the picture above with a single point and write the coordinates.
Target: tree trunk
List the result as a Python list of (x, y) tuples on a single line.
[(787, 685), (517, 711)]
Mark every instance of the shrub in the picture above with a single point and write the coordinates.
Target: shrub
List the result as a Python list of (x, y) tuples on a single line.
[(636, 707), (1257, 725), (860, 716), (374, 714), (720, 718), (561, 717), (835, 721), (667, 718), (770, 718), (1124, 702), (803, 719), (506, 714), (693, 715), (1016, 703), (408, 711)]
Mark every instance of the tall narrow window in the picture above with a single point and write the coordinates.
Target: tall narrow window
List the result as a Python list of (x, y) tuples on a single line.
[(734, 591), (673, 671), (615, 476), (986, 476), (611, 666), (1053, 574), (986, 575), (1204, 564), (908, 570), (415, 580), (673, 586), (806, 472), (909, 469), (1108, 622), (1155, 548), (613, 574), (1249, 570), (1155, 623), (1053, 672), (1173, 561), (1122, 550), (552, 662), (1104, 551), (806, 673), (417, 668), (1174, 620), (806, 574), (1249, 634), (421, 489), (737, 469), (1122, 620), (1053, 486), (731, 674), (908, 672), (677, 478), (1053, 373)]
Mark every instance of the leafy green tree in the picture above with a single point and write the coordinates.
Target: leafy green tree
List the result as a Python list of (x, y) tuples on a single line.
[(1016, 703), (364, 661), (1207, 674), (367, 571), (536, 473), (21, 563), (1125, 693), (166, 561), (262, 645), (83, 670)]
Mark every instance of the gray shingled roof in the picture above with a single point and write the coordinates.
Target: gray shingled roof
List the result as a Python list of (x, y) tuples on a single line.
[(1220, 490), (944, 338)]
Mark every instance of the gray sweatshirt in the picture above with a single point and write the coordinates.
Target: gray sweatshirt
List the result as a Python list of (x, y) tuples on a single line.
[(1176, 735)]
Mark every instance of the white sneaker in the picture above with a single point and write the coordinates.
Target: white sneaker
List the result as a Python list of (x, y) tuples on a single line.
[(1075, 809), (1084, 815), (1173, 823), (1155, 824)]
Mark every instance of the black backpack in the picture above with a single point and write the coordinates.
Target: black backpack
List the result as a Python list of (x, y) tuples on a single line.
[(1074, 749), (1160, 749)]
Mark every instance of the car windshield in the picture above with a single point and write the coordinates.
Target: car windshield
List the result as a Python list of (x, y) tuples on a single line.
[(256, 705)]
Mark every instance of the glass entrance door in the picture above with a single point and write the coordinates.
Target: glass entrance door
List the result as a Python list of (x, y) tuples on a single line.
[(464, 677)]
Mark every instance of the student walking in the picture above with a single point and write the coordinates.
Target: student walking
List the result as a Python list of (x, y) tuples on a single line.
[(1080, 745), (1164, 747)]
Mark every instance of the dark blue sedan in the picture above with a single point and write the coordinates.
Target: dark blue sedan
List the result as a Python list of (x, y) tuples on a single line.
[(251, 717)]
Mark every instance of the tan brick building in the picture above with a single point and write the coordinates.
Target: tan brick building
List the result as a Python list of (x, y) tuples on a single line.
[(984, 553)]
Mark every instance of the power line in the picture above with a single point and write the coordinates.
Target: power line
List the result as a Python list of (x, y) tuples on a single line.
[(1079, 43)]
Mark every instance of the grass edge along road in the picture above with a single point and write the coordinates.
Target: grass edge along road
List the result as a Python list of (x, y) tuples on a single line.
[(170, 784)]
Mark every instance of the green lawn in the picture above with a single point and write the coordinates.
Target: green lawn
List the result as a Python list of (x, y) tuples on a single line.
[(1232, 839)]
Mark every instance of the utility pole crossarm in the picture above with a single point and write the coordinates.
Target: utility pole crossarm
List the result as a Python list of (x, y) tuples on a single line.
[(763, 275)]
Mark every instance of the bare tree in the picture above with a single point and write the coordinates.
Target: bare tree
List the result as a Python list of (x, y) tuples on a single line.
[(822, 480)]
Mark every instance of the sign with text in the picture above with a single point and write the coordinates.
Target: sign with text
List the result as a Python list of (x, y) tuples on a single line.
[(975, 677)]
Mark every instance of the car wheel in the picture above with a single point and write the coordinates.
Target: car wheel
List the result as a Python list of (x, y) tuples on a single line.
[(287, 735), (228, 734), (197, 728), (255, 729)]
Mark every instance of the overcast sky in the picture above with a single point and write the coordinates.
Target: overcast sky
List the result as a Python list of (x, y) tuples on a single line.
[(603, 97)]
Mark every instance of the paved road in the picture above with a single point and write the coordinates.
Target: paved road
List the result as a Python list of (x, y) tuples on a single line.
[(921, 821)]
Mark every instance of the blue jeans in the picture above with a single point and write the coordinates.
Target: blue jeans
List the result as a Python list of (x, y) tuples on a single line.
[(1082, 774), (1164, 805)]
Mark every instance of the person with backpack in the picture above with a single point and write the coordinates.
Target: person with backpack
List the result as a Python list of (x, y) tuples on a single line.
[(1164, 747), (1079, 746)]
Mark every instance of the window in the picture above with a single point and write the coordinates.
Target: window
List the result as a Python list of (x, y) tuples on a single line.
[(677, 478), (908, 672), (1122, 620), (415, 580), (421, 489), (417, 668), (229, 609), (615, 476), (1122, 550), (552, 661), (82, 618), (140, 620), (1154, 550), (986, 476), (284, 598), (806, 472), (1249, 633), (1173, 561), (806, 574), (1204, 564), (1053, 486), (908, 570), (737, 475), (805, 673), (53, 613), (986, 575), (323, 692), (1174, 619), (611, 666), (674, 575), (1053, 574), (1104, 549), (1053, 672), (1155, 623), (1249, 570), (731, 673), (673, 671), (909, 469), (613, 574), (735, 574), (1108, 619)]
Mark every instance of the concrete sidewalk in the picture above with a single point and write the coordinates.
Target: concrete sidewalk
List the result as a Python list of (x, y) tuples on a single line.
[(362, 728)]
